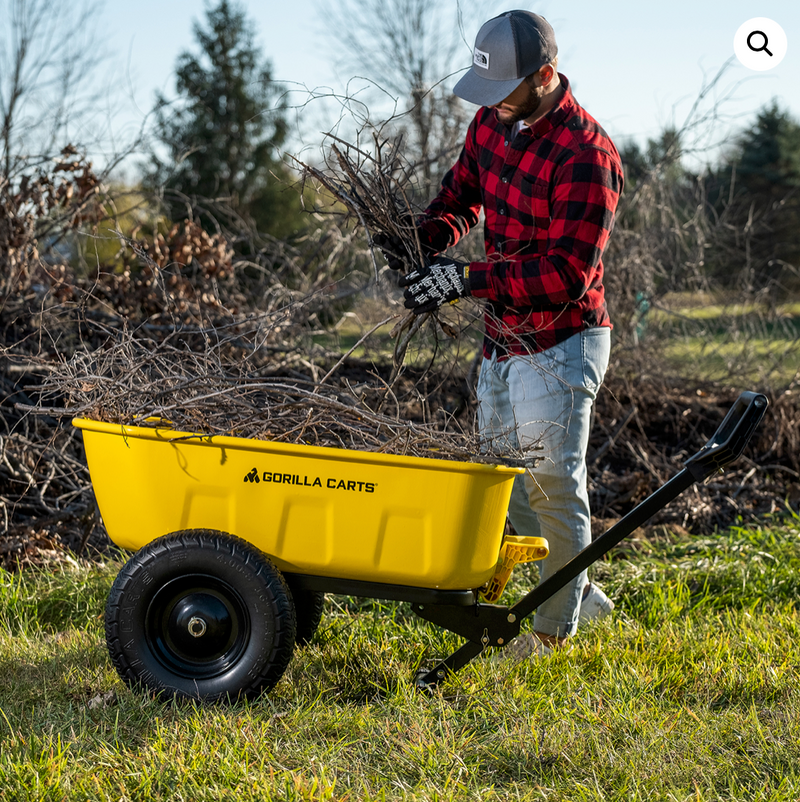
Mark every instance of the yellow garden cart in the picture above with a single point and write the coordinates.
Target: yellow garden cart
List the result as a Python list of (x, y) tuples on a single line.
[(236, 540)]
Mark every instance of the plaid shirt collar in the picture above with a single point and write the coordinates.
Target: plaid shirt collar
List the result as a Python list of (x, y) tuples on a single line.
[(557, 115)]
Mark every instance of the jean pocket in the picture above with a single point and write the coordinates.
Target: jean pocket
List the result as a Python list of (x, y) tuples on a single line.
[(595, 352)]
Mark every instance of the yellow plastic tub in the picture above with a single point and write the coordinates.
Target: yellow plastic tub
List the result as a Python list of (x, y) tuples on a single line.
[(321, 511)]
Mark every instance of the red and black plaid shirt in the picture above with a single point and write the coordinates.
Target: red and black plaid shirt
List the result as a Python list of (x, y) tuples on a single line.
[(549, 195)]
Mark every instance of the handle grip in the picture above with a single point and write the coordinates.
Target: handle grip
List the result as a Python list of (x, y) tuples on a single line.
[(730, 438)]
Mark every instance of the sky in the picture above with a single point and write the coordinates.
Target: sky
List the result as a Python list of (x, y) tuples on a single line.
[(636, 66)]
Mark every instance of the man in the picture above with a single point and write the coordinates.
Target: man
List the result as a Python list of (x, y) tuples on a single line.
[(548, 179)]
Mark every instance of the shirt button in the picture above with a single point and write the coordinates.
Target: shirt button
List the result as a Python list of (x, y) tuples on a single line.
[(505, 180), (505, 144)]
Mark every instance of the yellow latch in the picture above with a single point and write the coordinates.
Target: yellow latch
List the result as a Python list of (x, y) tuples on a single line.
[(515, 549)]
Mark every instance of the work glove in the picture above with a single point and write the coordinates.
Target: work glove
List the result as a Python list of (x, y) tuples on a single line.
[(445, 280), (393, 249), (396, 250)]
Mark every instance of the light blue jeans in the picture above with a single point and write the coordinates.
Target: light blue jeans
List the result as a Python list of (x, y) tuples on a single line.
[(546, 399)]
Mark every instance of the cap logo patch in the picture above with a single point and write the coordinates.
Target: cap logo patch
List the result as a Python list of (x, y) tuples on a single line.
[(480, 58)]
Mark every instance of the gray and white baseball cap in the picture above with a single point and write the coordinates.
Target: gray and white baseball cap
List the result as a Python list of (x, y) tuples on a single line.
[(508, 48)]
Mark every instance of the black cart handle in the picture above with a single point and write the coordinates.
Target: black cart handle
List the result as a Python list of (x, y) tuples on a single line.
[(730, 439)]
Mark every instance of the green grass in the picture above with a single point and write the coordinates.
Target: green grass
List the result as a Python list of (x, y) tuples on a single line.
[(758, 361), (733, 341), (689, 692)]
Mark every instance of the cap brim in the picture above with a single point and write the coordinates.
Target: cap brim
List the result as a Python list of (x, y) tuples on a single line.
[(483, 92)]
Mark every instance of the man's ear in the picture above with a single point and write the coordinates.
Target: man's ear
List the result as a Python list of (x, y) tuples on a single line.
[(546, 74)]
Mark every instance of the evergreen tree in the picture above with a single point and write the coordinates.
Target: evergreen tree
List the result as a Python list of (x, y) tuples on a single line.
[(222, 136), (769, 154), (761, 184), (660, 160)]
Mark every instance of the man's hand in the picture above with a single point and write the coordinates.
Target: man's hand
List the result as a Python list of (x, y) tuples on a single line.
[(427, 288), (402, 252), (393, 249)]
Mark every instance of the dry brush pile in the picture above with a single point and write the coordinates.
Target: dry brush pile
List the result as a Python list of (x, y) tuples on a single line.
[(644, 431)]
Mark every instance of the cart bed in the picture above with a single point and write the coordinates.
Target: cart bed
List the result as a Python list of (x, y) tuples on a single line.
[(320, 511)]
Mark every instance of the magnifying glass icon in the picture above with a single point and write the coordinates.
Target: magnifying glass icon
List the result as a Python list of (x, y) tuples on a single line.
[(763, 47), (755, 37)]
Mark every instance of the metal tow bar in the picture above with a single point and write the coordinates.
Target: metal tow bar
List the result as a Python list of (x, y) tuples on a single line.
[(485, 625)]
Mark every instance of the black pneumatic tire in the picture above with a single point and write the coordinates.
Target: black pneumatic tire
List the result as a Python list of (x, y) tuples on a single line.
[(308, 608), (200, 614)]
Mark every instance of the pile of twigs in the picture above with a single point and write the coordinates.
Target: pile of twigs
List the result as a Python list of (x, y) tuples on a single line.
[(44, 460), (644, 432), (44, 482), (203, 390)]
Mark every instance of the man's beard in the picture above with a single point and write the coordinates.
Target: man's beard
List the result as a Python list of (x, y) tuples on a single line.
[(513, 114)]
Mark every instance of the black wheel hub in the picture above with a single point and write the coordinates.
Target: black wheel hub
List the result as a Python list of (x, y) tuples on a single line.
[(197, 626)]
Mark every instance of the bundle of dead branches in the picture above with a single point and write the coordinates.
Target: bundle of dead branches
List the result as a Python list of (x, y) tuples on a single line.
[(371, 188), (192, 385)]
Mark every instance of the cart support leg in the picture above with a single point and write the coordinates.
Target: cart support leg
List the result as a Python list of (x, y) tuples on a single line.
[(428, 680)]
